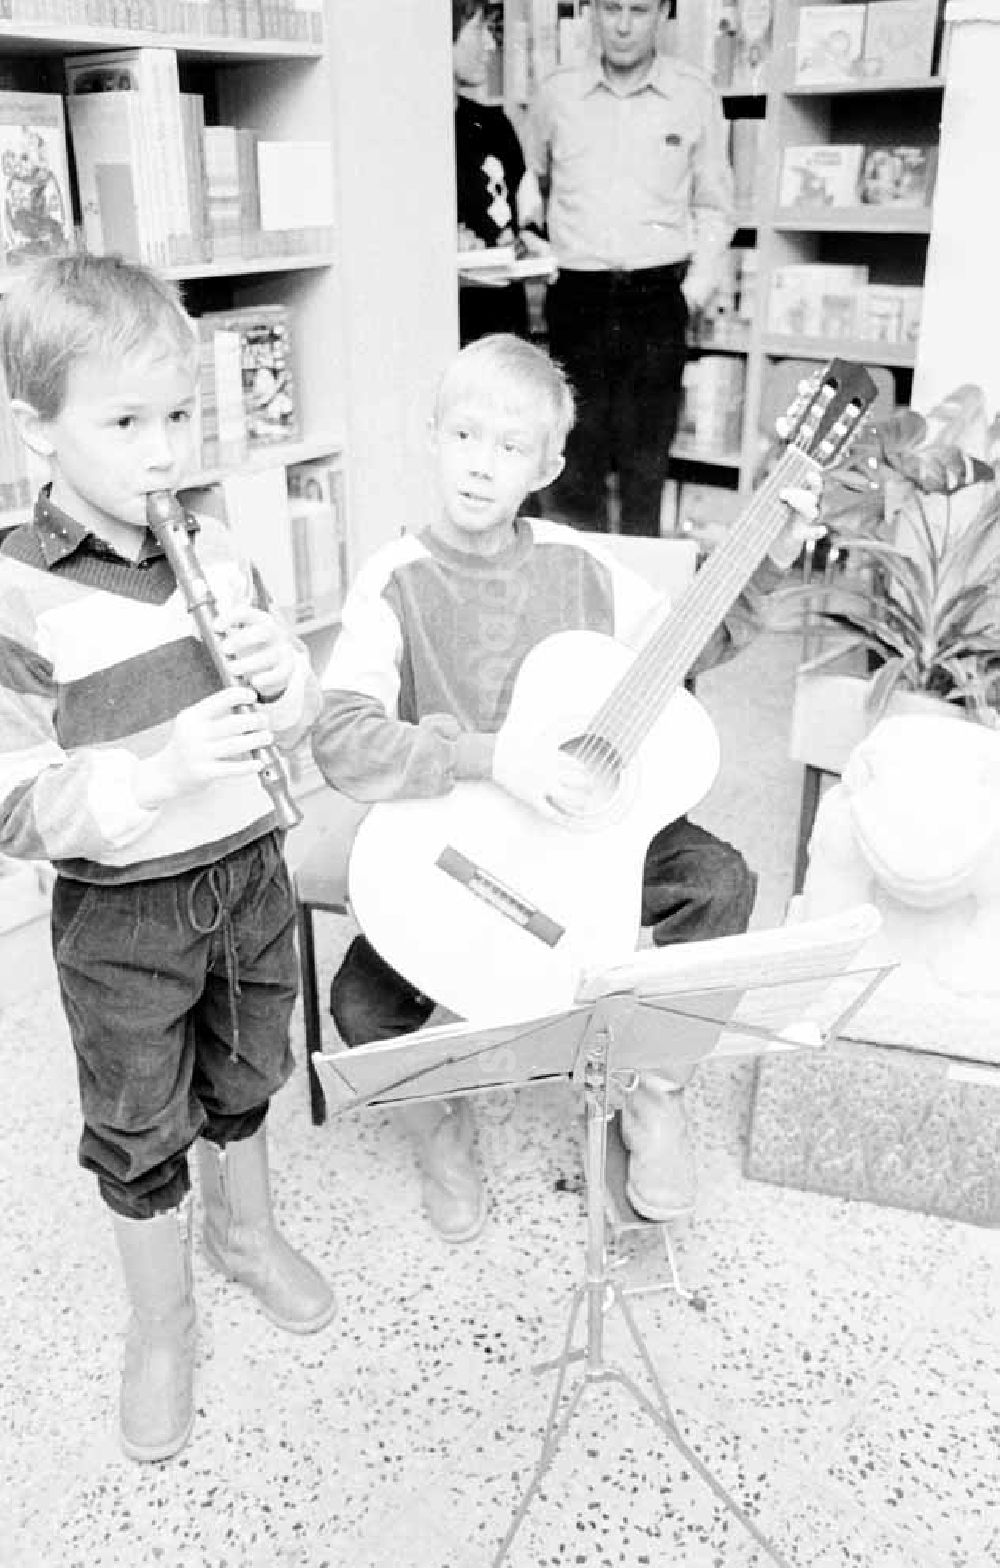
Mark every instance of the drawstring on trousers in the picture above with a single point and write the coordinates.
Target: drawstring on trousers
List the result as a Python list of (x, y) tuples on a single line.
[(217, 883)]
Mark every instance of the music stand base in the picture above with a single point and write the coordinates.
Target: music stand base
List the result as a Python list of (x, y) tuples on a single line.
[(600, 1292)]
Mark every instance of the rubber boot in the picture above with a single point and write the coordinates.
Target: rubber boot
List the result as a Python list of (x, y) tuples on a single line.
[(156, 1406), (444, 1133), (661, 1178), (243, 1242)]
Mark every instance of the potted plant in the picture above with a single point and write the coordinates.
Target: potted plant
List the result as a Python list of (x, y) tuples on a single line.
[(913, 513)]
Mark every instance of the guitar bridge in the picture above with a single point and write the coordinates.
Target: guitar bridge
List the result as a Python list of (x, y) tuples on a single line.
[(483, 885)]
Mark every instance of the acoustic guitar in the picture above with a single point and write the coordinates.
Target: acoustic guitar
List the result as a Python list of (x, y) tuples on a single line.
[(494, 909)]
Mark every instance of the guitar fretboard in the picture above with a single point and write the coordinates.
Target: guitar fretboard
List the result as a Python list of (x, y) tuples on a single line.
[(626, 717)]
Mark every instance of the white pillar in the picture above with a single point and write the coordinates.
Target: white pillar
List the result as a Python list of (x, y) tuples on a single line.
[(960, 331), (393, 97)]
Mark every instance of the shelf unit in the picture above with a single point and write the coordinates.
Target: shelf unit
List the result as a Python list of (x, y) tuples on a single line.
[(284, 90), (892, 242)]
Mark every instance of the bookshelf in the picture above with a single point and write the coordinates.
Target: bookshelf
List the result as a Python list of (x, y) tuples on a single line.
[(373, 319), (771, 112)]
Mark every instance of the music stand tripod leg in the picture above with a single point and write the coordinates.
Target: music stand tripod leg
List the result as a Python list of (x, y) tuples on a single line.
[(599, 1292)]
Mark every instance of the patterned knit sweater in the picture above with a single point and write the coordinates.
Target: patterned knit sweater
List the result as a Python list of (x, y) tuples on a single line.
[(98, 656), (433, 638)]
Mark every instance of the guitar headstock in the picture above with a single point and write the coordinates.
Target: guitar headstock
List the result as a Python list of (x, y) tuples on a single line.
[(828, 411)]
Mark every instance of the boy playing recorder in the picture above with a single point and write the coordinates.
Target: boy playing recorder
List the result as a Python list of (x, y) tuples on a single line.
[(126, 761)]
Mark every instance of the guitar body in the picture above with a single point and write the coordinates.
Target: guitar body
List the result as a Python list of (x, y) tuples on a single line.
[(494, 909)]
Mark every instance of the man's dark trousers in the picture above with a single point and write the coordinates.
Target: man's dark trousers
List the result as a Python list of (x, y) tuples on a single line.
[(620, 336)]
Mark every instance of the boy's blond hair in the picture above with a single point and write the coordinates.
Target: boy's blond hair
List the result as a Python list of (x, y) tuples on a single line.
[(521, 376), (67, 308)]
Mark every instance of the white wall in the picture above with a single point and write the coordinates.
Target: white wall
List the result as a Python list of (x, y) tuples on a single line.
[(393, 85), (960, 331)]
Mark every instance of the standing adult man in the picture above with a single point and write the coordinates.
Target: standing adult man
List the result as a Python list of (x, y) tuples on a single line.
[(630, 149)]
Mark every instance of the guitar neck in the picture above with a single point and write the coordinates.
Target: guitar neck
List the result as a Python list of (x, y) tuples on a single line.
[(661, 665)]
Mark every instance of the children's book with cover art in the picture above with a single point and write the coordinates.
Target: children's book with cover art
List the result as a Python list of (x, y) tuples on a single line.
[(830, 43), (820, 176), (899, 39), (270, 412), (35, 218), (898, 176)]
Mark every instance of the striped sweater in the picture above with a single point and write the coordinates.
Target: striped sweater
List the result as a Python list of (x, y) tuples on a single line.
[(433, 638), (98, 656)]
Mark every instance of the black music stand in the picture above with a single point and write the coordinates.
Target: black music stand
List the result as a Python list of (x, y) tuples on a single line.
[(654, 1011)]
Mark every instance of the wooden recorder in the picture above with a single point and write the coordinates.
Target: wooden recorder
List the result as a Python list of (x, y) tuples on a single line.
[(165, 517)]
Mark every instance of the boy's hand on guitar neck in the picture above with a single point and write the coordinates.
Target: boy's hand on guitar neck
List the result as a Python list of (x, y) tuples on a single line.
[(534, 770), (802, 526)]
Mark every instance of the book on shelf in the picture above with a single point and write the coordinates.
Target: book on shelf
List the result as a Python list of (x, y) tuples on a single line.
[(817, 177), (890, 313), (295, 193), (255, 507), (898, 176), (839, 302), (36, 217), (319, 536), (108, 145), (712, 395), (225, 205), (899, 38), (744, 156), (753, 46), (298, 21), (149, 77), (829, 45), (248, 385), (815, 299)]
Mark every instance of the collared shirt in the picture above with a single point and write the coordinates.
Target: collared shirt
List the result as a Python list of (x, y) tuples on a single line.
[(59, 536), (635, 179)]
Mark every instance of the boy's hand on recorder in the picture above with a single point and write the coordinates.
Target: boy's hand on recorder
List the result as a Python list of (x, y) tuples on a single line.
[(213, 739), (258, 649)]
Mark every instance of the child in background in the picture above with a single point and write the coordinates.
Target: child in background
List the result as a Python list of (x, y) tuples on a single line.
[(127, 763), (497, 194), (416, 691)]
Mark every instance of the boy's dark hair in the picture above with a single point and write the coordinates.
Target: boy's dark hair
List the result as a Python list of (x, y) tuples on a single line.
[(463, 11), (66, 308)]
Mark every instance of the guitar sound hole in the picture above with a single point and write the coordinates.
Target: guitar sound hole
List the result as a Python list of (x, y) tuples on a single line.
[(603, 765)]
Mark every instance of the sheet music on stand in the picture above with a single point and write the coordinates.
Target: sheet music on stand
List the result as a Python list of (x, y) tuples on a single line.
[(653, 1011)]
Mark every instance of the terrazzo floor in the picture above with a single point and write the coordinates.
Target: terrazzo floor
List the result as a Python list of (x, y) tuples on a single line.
[(842, 1378)]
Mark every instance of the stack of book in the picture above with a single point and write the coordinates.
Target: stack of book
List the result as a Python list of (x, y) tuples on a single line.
[(159, 185), (296, 21), (290, 524), (711, 414), (317, 518), (888, 39), (825, 176), (827, 300), (248, 398)]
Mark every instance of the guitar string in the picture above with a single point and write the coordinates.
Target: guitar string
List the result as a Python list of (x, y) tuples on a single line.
[(714, 578), (650, 669), (630, 710)]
